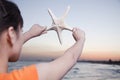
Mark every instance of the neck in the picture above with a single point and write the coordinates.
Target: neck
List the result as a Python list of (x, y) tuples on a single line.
[(3, 61), (4, 53)]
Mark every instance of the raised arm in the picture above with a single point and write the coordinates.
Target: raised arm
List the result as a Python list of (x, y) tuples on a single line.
[(57, 69), (35, 30)]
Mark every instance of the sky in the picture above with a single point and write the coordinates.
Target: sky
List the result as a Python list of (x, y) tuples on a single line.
[(100, 19)]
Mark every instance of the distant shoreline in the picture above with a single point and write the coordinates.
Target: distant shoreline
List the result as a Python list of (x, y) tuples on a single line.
[(102, 62)]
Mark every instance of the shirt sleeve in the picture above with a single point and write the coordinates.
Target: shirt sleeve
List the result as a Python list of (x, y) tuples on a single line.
[(26, 73)]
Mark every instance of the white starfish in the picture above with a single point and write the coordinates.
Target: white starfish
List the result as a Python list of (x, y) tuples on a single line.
[(58, 24)]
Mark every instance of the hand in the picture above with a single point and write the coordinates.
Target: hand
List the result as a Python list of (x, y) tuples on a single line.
[(37, 30), (78, 34)]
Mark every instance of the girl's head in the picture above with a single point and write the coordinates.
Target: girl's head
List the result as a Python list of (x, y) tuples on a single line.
[(9, 16), (11, 23)]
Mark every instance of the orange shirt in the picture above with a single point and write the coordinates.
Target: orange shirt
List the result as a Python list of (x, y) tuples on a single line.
[(27, 73)]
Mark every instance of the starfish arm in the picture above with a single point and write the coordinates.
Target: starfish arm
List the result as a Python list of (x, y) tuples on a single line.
[(68, 28), (59, 35), (66, 12), (51, 28), (52, 16), (58, 24)]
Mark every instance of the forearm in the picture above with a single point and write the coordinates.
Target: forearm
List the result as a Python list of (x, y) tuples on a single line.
[(26, 36), (35, 30), (63, 64), (76, 50)]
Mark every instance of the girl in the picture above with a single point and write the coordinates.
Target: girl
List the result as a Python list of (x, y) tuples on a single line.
[(12, 39)]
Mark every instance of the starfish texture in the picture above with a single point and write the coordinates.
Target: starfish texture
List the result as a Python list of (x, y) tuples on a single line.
[(58, 24)]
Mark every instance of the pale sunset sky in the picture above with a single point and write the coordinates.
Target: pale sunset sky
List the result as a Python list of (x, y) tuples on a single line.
[(100, 19)]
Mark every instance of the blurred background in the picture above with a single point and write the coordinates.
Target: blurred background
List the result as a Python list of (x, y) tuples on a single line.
[(100, 19)]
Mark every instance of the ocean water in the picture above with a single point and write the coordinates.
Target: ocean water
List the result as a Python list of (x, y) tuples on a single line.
[(82, 70)]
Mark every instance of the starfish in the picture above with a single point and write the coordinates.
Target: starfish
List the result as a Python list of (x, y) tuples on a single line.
[(58, 24)]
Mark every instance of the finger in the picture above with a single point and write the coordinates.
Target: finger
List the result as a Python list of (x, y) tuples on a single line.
[(74, 29), (43, 29), (44, 32), (74, 37)]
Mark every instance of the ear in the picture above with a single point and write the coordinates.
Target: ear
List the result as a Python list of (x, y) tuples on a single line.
[(11, 36)]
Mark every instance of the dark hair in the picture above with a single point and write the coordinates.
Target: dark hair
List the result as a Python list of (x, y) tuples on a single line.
[(9, 16)]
